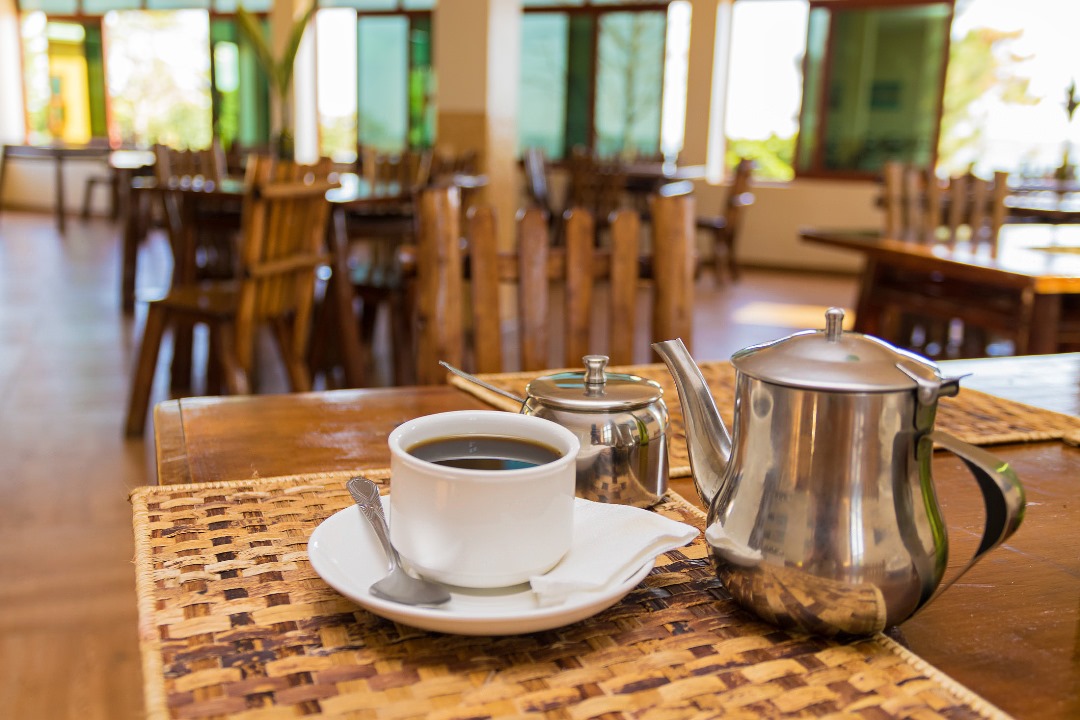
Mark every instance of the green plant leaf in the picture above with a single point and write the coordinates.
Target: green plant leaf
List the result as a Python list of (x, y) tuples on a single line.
[(251, 29)]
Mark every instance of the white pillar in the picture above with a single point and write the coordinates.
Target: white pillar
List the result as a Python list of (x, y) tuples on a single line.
[(477, 54), (710, 46), (12, 127)]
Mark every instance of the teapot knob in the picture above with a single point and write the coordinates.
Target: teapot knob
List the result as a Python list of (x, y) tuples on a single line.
[(594, 369), (834, 324)]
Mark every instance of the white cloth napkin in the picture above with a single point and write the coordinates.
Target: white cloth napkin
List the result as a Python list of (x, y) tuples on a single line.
[(610, 542)]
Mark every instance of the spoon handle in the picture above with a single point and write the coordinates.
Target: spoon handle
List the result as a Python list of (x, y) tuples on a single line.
[(366, 495), (486, 385)]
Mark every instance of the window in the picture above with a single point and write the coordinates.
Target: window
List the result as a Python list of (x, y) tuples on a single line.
[(595, 74), (62, 69), (375, 76), (158, 80), (768, 42), (1010, 69), (873, 86), (157, 89)]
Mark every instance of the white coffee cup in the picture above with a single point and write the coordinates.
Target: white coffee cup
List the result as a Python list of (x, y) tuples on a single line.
[(481, 528)]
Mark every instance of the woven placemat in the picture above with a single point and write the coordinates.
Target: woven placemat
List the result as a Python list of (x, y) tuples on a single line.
[(972, 416), (233, 621)]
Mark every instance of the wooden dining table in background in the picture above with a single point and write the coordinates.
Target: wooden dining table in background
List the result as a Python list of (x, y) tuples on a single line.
[(1009, 630), (57, 154), (1036, 260)]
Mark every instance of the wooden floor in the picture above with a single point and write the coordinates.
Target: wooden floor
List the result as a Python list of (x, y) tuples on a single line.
[(68, 643)]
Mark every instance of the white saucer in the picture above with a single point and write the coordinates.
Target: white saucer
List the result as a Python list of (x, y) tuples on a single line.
[(345, 552)]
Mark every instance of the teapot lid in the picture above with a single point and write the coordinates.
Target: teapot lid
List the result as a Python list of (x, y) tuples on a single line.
[(594, 390), (834, 360)]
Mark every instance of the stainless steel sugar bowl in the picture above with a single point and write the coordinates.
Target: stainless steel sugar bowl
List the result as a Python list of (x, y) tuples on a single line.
[(622, 423)]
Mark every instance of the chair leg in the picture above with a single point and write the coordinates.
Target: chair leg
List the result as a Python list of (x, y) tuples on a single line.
[(732, 265), (143, 378), (299, 374), (236, 377)]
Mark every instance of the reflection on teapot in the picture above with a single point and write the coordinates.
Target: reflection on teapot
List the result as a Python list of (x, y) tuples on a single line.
[(822, 512)]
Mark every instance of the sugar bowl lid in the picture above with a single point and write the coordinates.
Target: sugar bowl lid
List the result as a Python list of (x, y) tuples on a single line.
[(594, 390), (834, 360)]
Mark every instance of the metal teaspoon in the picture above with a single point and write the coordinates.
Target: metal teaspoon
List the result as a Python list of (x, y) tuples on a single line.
[(398, 585)]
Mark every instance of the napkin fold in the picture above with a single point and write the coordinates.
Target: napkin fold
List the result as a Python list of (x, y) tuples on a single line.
[(611, 541)]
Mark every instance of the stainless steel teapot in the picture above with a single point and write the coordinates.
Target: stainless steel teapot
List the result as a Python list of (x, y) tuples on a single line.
[(823, 516)]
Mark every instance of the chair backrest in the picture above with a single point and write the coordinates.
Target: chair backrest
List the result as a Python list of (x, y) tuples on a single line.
[(283, 231), (396, 173), (207, 164), (739, 197), (446, 163), (596, 184), (536, 180), (542, 273), (919, 205)]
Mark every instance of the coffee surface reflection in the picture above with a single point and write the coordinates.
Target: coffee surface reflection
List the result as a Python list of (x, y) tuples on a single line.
[(484, 452)]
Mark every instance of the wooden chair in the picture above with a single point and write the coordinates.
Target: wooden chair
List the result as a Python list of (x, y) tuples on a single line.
[(282, 238), (725, 229), (920, 311), (444, 312), (920, 206), (597, 185)]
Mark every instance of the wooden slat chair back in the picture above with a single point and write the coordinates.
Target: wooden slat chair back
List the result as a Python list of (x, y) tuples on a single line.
[(726, 229), (919, 205), (597, 185), (396, 173), (446, 266), (945, 319), (283, 228)]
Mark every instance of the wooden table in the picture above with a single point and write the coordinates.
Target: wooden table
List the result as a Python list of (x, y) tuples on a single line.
[(56, 154), (1042, 261), (1009, 630)]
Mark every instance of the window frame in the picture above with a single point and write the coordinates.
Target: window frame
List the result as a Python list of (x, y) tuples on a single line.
[(596, 12), (817, 171)]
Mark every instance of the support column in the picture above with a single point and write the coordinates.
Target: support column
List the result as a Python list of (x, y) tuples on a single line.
[(302, 91), (710, 47), (477, 54), (12, 127)]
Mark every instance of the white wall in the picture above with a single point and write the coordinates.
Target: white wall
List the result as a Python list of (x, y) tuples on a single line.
[(770, 233)]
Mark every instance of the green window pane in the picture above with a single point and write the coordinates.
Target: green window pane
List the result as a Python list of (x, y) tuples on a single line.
[(542, 99), (579, 82), (883, 88), (418, 4), (362, 4), (421, 85), (629, 82), (382, 77), (255, 6), (100, 7), (50, 7), (95, 75), (817, 38), (177, 4)]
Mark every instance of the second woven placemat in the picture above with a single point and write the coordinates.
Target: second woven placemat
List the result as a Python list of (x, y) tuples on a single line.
[(972, 416)]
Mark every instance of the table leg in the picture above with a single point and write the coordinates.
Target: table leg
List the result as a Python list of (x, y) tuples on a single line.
[(867, 309), (1044, 327), (59, 165), (339, 292), (130, 207)]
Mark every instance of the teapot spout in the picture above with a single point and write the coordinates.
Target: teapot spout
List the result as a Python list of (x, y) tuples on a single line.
[(707, 439)]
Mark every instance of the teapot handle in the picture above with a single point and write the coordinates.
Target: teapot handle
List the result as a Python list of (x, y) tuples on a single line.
[(1001, 490)]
